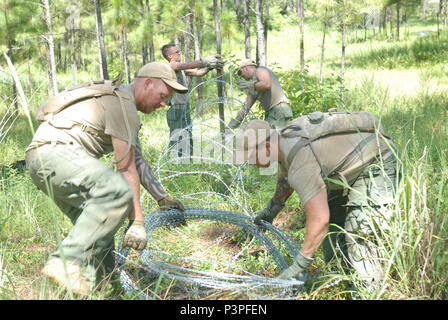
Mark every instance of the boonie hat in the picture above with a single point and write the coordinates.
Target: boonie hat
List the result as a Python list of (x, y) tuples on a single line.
[(248, 138), (162, 71), (245, 63)]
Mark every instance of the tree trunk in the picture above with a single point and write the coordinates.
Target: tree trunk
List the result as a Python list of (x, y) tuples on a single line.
[(261, 54), (322, 54), (187, 37), (53, 85), (197, 56), (266, 27), (246, 23), (424, 9), (145, 52), (152, 53), (124, 53), (104, 73), (301, 15), (439, 14), (343, 59), (398, 21), (239, 16), (219, 73)]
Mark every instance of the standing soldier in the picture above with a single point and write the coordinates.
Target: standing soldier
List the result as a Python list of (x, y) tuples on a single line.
[(344, 170), (262, 84), (80, 125), (178, 115)]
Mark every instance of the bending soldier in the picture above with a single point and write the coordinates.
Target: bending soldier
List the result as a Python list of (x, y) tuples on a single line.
[(345, 172), (79, 126), (262, 84)]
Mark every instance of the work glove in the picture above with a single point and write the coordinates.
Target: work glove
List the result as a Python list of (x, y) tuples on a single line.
[(169, 203), (297, 269), (213, 62), (135, 236), (248, 86), (269, 212)]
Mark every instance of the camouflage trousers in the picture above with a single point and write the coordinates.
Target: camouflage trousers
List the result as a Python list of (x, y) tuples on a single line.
[(359, 218), (180, 125), (279, 115), (93, 196)]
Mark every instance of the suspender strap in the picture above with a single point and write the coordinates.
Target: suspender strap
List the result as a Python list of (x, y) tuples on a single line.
[(304, 142)]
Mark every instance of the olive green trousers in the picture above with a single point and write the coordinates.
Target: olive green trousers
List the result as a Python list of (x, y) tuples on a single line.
[(179, 122), (279, 115), (93, 196), (359, 218)]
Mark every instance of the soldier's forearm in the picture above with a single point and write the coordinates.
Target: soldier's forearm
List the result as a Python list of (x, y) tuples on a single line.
[(188, 65), (282, 191), (147, 177), (243, 113)]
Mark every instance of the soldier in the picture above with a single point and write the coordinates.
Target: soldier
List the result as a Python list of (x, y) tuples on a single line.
[(345, 172), (80, 125), (262, 84), (178, 115)]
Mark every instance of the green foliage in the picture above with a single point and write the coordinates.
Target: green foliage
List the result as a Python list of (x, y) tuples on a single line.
[(316, 96), (420, 52)]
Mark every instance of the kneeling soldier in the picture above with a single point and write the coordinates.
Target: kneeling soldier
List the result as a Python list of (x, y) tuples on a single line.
[(344, 170)]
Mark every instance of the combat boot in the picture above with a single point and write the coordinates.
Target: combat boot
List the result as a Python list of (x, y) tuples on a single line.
[(67, 275)]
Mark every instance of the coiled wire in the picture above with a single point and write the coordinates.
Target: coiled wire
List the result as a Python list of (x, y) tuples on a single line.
[(154, 262)]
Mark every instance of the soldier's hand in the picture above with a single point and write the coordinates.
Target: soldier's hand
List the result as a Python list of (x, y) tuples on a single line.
[(246, 85), (135, 236), (296, 270), (213, 62), (169, 203), (269, 213)]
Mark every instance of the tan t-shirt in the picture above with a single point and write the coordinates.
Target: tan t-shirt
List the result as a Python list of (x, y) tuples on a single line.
[(104, 114), (270, 98), (304, 172)]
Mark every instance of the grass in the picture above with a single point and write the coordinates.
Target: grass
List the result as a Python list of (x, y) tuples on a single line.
[(398, 81)]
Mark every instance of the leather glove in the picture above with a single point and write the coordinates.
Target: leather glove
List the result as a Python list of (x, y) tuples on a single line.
[(169, 203), (135, 236), (246, 85), (213, 61), (296, 270), (269, 212)]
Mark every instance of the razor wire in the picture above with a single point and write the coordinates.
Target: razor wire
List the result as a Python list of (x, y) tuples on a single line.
[(154, 260)]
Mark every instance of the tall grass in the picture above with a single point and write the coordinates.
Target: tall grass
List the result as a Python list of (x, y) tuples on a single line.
[(31, 226)]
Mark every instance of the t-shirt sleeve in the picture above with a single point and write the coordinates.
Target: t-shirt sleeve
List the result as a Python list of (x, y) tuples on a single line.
[(306, 179), (115, 122)]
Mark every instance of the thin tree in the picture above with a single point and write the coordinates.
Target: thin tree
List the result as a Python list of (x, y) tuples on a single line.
[(219, 72), (48, 37), (265, 19), (197, 51), (261, 46), (102, 58), (246, 23), (301, 16), (148, 32)]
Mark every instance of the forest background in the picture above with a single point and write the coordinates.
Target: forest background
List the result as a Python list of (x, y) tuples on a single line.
[(387, 57)]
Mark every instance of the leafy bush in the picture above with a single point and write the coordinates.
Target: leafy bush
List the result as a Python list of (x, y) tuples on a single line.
[(316, 96)]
